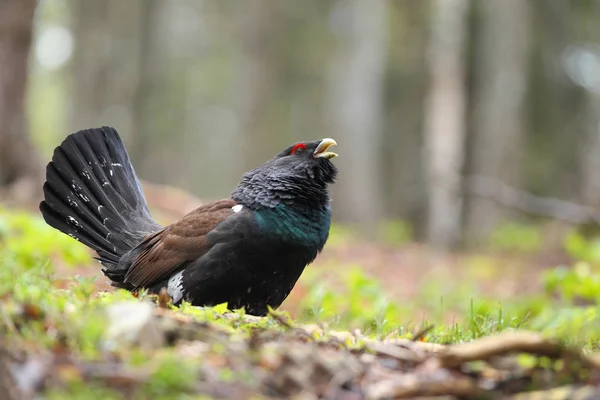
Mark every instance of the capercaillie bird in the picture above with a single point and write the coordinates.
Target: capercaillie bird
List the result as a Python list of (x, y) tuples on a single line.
[(248, 250)]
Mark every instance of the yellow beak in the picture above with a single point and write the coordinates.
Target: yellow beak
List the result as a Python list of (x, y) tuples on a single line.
[(321, 150)]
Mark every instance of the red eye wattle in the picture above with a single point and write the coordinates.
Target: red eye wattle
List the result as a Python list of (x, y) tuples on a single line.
[(299, 146)]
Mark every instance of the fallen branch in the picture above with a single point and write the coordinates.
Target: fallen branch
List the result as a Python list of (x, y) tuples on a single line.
[(573, 392), (511, 197), (421, 333), (501, 344), (411, 386)]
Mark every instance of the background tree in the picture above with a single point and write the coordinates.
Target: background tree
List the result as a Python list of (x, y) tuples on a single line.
[(19, 164), (357, 74), (445, 125), (258, 76), (502, 56), (417, 94)]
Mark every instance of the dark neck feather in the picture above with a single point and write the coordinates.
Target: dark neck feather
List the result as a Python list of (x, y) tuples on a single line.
[(258, 192), (277, 182)]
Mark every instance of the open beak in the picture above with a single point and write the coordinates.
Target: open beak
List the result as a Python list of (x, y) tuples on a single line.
[(321, 150)]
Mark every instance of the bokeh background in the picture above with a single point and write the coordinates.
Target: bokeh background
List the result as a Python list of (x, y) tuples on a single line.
[(471, 126), (436, 105)]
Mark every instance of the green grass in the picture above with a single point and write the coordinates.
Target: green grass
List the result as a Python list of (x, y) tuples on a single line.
[(567, 308)]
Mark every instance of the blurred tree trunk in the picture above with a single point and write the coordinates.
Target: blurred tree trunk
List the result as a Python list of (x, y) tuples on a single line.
[(405, 89), (106, 62), (118, 66), (258, 72), (501, 84), (445, 122), (590, 152), (89, 32), (356, 108), (145, 107), (18, 160)]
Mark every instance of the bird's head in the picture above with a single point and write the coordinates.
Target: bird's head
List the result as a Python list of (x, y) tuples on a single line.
[(300, 173), (310, 160)]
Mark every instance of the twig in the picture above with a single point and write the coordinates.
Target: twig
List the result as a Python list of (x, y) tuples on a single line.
[(280, 318), (421, 333), (396, 352), (289, 325), (561, 392), (412, 386), (485, 348), (511, 197)]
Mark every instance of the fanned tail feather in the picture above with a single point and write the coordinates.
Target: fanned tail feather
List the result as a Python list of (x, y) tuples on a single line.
[(92, 194)]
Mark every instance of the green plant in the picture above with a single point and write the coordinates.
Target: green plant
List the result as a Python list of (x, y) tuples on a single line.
[(582, 248), (513, 236), (395, 232), (580, 283), (29, 241), (360, 304)]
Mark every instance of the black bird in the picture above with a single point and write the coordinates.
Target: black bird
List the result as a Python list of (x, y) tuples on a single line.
[(248, 250)]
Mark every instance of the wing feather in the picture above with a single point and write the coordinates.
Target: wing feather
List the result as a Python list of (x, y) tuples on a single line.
[(166, 251)]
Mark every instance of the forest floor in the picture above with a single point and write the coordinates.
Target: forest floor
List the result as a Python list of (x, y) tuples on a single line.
[(174, 355), (366, 320), (406, 273)]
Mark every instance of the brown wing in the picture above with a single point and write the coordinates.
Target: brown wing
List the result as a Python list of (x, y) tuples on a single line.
[(163, 252)]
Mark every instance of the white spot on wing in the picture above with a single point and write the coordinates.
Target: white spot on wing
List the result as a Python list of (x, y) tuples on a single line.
[(116, 164), (110, 171), (175, 288), (237, 208)]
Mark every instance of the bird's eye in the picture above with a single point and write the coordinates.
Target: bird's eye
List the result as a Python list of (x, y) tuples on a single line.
[(299, 148)]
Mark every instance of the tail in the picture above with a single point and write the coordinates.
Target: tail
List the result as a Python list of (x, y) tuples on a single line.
[(93, 195)]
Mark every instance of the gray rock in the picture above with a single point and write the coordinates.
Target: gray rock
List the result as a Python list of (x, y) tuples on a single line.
[(131, 324)]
